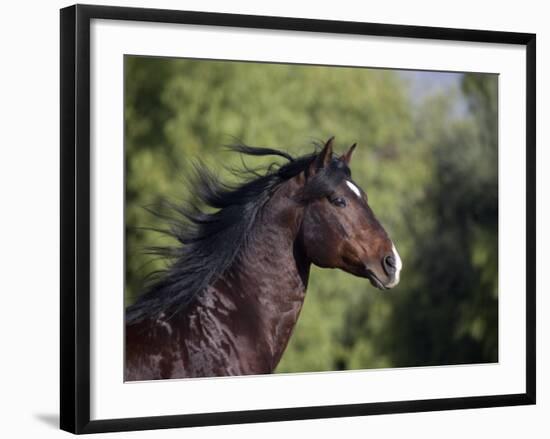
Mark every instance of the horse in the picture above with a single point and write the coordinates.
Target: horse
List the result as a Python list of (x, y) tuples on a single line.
[(228, 302)]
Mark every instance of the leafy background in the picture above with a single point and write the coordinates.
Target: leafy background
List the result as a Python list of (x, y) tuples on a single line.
[(427, 156)]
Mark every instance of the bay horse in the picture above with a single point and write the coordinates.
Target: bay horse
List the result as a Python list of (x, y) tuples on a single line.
[(228, 302)]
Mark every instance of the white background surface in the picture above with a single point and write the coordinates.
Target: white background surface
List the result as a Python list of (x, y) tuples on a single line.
[(111, 398), (29, 170)]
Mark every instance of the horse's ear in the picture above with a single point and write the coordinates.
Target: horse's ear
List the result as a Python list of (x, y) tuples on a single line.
[(324, 157), (346, 158)]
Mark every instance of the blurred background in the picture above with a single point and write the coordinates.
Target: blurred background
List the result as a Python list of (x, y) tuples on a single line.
[(427, 156)]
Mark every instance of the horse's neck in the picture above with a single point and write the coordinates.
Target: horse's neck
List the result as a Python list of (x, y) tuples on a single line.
[(268, 282)]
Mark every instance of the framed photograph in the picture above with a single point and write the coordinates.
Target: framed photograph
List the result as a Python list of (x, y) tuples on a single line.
[(274, 218)]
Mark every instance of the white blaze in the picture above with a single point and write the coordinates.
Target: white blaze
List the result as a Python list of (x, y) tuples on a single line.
[(398, 266), (354, 188)]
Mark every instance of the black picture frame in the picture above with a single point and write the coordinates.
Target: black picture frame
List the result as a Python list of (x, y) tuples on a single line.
[(75, 217)]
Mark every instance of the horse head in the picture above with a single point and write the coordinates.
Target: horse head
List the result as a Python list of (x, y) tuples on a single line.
[(339, 229)]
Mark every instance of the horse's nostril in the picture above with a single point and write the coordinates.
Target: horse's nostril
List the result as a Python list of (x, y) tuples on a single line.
[(389, 265)]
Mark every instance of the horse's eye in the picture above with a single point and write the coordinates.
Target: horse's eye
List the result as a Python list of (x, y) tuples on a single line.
[(338, 201)]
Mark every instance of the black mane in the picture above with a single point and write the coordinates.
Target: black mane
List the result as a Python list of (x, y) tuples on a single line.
[(210, 242)]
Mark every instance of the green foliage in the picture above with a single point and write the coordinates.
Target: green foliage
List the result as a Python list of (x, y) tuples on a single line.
[(431, 177)]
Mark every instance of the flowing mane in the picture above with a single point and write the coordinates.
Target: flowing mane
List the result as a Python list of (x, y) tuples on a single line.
[(209, 242)]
